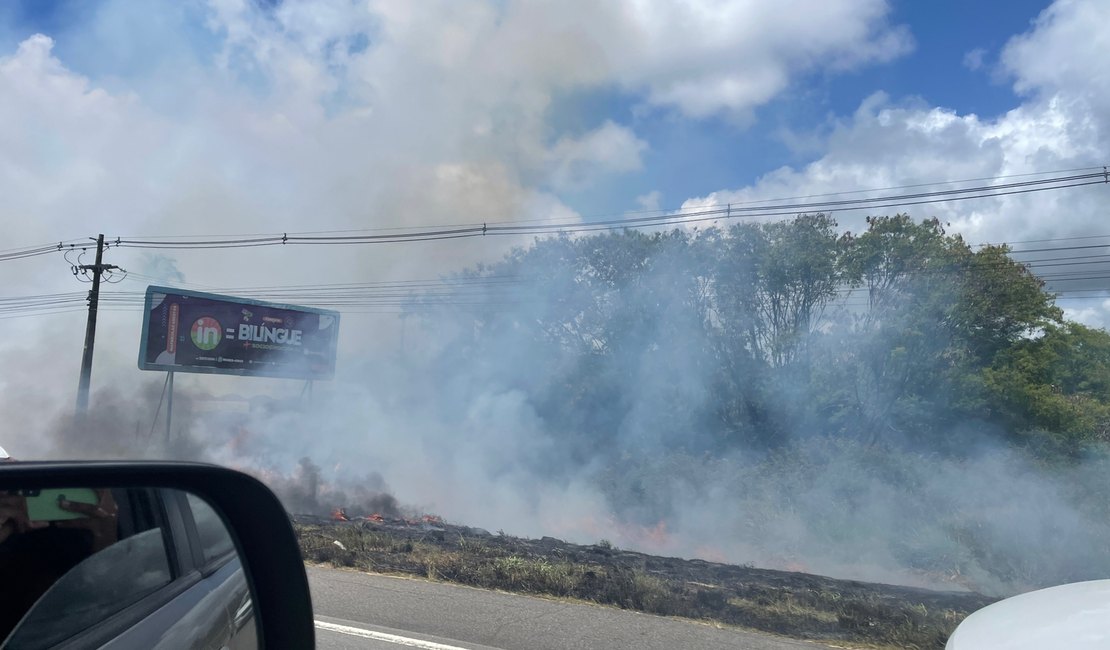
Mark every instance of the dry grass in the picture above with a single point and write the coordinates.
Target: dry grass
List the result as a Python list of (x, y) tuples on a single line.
[(806, 607)]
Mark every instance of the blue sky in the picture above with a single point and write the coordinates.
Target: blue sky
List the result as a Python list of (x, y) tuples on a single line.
[(213, 118), (935, 73), (225, 117), (228, 116), (685, 157), (944, 32)]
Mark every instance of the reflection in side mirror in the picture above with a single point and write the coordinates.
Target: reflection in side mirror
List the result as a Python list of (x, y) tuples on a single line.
[(138, 566), (147, 555)]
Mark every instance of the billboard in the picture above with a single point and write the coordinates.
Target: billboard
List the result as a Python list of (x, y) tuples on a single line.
[(188, 331)]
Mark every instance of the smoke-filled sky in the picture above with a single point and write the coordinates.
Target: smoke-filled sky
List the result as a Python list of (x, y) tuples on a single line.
[(236, 116), (233, 116)]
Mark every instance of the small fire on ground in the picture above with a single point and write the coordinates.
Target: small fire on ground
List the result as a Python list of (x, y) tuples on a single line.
[(340, 514)]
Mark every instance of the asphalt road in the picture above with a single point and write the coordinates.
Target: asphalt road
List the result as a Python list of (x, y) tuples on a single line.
[(358, 610)]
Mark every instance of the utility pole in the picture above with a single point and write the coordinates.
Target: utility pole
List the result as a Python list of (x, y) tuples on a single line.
[(90, 327)]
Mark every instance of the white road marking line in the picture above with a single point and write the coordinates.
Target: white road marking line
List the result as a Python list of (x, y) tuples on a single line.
[(383, 636)]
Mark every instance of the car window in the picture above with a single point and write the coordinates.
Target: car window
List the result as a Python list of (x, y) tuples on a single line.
[(215, 541), (125, 569)]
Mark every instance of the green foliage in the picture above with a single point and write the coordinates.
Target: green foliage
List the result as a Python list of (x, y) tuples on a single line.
[(936, 315), (822, 393), (1057, 383), (775, 281), (758, 333)]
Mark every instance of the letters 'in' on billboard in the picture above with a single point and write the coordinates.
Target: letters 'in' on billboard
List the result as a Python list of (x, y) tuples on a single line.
[(188, 331)]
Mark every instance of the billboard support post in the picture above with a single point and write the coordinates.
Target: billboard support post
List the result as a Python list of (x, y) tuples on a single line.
[(169, 404)]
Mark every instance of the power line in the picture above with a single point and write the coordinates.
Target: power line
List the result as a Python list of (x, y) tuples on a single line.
[(1038, 241), (457, 286), (412, 293), (711, 213), (1097, 171), (779, 207), (415, 292), (59, 303), (24, 252)]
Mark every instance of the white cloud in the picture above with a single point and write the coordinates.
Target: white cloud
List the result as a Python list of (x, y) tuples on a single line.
[(1063, 123), (1064, 54), (1091, 316), (973, 59), (608, 149), (698, 57), (891, 143), (651, 201), (344, 114), (364, 113), (705, 57)]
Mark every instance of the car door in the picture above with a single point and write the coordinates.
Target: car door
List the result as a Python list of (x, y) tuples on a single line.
[(215, 611), (171, 579)]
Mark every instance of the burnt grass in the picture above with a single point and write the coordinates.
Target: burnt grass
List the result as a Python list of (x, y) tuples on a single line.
[(797, 605)]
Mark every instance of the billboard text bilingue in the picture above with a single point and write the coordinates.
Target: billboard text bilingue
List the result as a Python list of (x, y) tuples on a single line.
[(188, 331)]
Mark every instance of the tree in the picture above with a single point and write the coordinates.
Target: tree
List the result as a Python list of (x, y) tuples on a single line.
[(890, 258), (1057, 384), (757, 333), (773, 282), (937, 313), (1000, 303)]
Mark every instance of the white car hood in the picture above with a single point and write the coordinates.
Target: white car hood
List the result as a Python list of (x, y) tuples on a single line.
[(1074, 616)]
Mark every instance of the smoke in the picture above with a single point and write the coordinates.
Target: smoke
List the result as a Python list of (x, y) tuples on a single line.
[(251, 435), (504, 414), (994, 522), (609, 426), (305, 491)]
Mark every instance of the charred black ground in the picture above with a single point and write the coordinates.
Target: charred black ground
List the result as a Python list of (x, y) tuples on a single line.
[(792, 604)]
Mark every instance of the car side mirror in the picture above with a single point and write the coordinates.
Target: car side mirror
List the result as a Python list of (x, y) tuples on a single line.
[(183, 542)]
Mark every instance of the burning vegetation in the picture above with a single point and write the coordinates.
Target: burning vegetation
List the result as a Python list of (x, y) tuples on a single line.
[(793, 604), (305, 491), (892, 406)]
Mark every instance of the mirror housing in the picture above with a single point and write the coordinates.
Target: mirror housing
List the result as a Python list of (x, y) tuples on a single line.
[(254, 517)]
